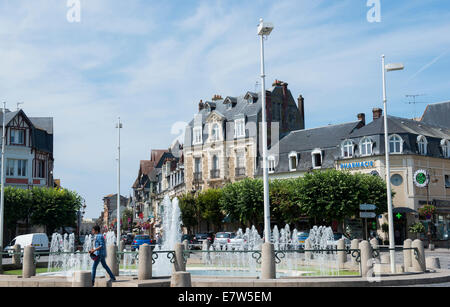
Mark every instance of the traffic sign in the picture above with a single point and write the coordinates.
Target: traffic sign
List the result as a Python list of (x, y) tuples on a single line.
[(367, 215), (367, 207)]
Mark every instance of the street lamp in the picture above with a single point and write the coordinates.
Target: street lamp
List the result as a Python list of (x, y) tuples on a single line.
[(118, 126), (2, 201), (387, 68), (264, 30)]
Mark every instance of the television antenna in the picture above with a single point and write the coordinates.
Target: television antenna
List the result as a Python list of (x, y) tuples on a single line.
[(413, 101), (18, 105)]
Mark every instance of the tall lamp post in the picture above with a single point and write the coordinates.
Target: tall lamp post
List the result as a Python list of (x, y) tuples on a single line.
[(264, 30), (387, 68), (118, 126), (2, 201)]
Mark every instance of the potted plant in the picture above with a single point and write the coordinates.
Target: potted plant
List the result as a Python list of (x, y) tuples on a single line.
[(427, 211), (417, 228)]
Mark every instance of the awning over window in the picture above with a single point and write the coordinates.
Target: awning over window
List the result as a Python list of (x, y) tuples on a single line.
[(403, 210)]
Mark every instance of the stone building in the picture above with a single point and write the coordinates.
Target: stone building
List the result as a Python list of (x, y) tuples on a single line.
[(110, 209), (222, 142), (414, 146), (162, 175)]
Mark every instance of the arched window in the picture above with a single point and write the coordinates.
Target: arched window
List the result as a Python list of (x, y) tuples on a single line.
[(215, 133), (347, 149), (423, 144), (395, 144), (445, 144), (366, 147)]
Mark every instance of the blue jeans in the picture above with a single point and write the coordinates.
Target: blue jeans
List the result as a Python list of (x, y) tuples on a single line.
[(103, 262)]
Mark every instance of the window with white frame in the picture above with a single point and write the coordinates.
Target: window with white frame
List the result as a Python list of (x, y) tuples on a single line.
[(445, 144), (271, 164), (293, 161), (347, 149), (215, 133), (317, 158), (239, 128), (366, 147), (40, 168), (197, 136), (395, 144), (15, 167), (423, 144), (17, 136)]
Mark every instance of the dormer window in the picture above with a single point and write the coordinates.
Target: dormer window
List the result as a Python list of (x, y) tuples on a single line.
[(317, 159), (395, 144), (271, 164), (239, 128), (293, 161), (197, 136), (445, 144), (423, 145), (347, 149), (366, 147)]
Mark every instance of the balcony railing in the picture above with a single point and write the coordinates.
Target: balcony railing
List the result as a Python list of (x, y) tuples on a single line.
[(240, 172), (215, 173), (197, 177)]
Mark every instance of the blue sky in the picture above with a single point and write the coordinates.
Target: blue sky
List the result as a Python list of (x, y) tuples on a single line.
[(152, 61)]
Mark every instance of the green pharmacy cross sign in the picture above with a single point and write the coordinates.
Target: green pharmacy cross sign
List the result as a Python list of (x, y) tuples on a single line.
[(399, 216), (421, 178)]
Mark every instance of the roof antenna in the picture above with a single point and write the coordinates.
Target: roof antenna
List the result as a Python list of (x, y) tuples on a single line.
[(414, 102), (256, 86), (18, 105)]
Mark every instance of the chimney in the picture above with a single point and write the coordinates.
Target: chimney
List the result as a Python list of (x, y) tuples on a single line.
[(301, 110), (217, 97), (277, 83), (201, 105), (362, 118), (377, 113)]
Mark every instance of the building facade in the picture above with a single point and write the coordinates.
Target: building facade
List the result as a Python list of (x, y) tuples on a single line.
[(28, 150), (110, 210), (222, 141), (416, 147)]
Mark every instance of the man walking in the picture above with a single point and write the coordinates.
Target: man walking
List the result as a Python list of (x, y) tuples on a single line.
[(98, 254)]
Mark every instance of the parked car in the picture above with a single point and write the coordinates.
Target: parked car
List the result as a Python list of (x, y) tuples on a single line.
[(337, 236), (302, 236), (189, 238), (38, 240), (129, 238), (222, 238), (201, 237), (140, 240), (235, 241)]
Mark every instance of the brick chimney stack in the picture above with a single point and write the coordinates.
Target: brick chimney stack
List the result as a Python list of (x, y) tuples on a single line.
[(201, 105), (377, 113), (217, 97), (362, 118), (301, 110)]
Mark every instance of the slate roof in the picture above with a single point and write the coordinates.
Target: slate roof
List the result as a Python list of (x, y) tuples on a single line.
[(322, 137), (43, 123), (437, 114), (398, 125)]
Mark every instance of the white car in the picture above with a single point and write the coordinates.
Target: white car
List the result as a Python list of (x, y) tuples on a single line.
[(38, 240)]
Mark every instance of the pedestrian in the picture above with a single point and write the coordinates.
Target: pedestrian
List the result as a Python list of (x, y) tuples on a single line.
[(98, 254)]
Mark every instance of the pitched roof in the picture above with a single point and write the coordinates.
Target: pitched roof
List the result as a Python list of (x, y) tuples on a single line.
[(43, 123), (437, 114), (401, 125), (322, 137)]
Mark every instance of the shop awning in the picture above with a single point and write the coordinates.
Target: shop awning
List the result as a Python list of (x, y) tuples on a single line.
[(403, 210)]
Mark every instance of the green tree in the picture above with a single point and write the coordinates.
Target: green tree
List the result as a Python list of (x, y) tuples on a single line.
[(18, 204), (334, 195), (244, 201), (54, 208), (284, 203), (189, 211), (209, 203)]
